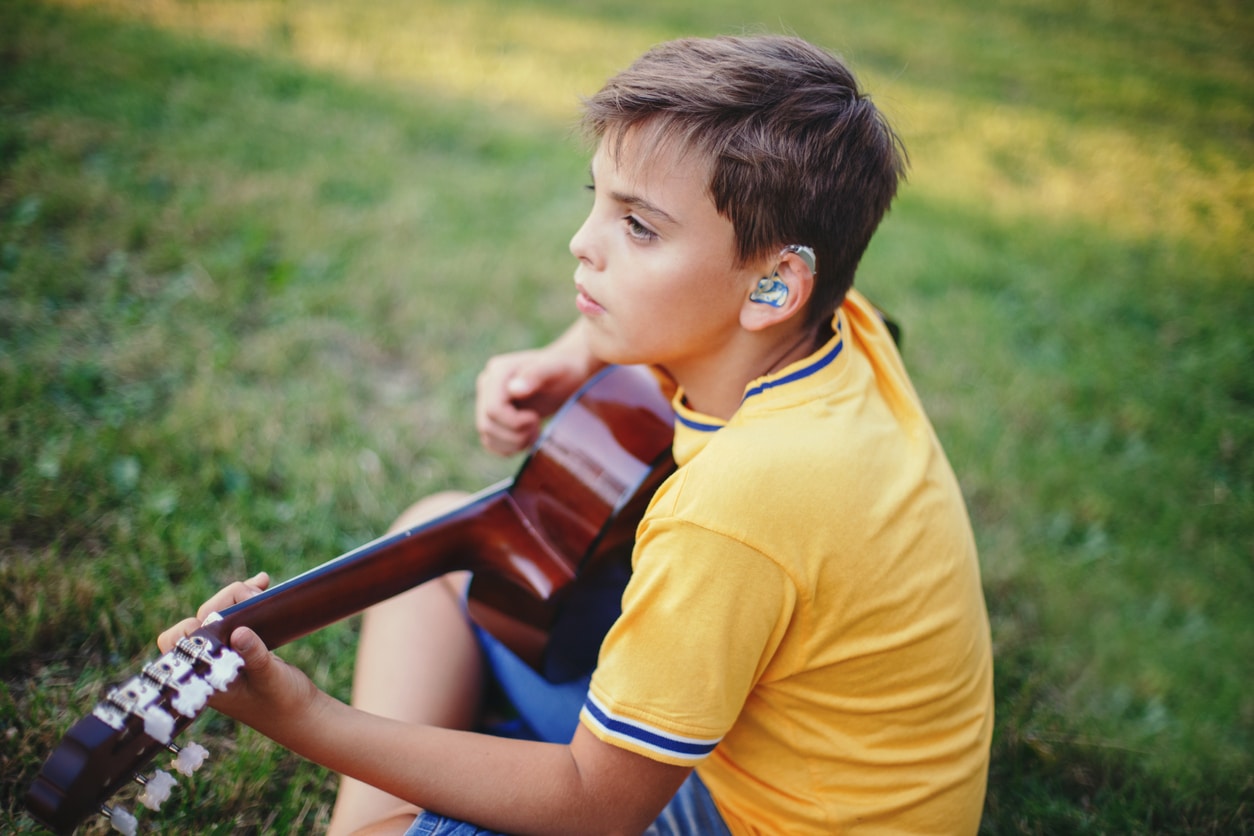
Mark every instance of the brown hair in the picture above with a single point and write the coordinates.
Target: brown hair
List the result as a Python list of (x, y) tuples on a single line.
[(797, 153)]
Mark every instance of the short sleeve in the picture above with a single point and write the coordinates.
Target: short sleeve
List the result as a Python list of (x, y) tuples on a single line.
[(702, 616)]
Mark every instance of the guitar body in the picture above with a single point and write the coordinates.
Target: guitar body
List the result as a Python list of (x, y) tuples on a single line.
[(549, 551), (581, 494)]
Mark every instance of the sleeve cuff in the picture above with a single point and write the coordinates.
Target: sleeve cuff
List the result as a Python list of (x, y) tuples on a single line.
[(642, 738)]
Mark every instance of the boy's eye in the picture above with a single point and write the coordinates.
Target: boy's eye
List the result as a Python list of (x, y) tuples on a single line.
[(637, 230)]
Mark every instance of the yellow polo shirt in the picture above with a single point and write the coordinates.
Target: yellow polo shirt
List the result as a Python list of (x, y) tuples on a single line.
[(805, 623)]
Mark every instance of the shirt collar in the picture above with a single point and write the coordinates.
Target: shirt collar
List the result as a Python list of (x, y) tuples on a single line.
[(795, 382)]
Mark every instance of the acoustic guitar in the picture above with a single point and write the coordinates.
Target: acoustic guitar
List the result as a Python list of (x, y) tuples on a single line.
[(549, 551)]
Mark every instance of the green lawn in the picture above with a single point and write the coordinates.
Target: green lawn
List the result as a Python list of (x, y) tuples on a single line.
[(252, 255)]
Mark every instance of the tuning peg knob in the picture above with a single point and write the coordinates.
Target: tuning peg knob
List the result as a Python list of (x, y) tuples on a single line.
[(156, 789), (121, 821), (224, 669), (158, 724), (189, 758), (192, 696)]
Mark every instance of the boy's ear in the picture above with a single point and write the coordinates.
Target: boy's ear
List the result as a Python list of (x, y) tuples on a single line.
[(779, 296)]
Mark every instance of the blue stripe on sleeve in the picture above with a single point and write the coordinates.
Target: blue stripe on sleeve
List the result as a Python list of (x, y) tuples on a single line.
[(650, 738)]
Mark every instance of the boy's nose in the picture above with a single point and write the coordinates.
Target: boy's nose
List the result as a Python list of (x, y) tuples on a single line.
[(581, 246)]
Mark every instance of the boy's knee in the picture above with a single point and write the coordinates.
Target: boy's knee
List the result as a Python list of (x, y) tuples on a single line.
[(428, 508)]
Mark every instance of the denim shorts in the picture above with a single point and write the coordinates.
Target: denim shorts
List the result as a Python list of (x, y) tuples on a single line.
[(690, 813), (541, 710)]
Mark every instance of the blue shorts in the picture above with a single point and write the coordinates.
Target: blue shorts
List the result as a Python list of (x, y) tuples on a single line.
[(542, 710), (690, 813)]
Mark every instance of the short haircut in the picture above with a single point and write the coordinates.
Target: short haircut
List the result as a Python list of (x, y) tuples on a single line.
[(797, 154)]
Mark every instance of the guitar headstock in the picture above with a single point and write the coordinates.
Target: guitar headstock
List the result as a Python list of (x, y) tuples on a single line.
[(132, 725)]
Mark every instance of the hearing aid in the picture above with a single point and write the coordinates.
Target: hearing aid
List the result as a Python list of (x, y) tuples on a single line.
[(771, 290), (806, 254)]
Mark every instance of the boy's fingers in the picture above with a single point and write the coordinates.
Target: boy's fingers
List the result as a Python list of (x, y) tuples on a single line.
[(506, 417), (503, 427), (507, 440), (225, 597), (519, 386), (170, 637), (251, 648)]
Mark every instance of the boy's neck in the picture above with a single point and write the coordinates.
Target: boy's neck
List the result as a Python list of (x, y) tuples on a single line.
[(718, 388)]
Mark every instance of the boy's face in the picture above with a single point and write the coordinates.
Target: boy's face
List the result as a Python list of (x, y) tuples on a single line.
[(657, 278)]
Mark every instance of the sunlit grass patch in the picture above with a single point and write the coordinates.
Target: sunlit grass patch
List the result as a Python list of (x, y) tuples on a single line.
[(1023, 163), (501, 56), (1007, 153)]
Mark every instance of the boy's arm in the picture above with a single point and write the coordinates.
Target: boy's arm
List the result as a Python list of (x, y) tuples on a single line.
[(512, 786), (509, 785)]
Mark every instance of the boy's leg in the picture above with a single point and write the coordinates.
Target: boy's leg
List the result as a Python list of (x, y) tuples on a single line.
[(417, 661)]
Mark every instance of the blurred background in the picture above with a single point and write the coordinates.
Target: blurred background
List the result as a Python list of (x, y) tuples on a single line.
[(253, 253)]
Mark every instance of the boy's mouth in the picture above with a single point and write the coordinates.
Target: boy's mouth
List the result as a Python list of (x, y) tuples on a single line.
[(586, 304)]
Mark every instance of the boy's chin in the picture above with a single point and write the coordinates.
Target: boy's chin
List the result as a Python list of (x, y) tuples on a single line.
[(608, 350)]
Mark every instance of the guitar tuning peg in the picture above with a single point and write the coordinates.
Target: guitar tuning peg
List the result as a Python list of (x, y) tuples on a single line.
[(156, 789), (121, 821), (192, 696), (158, 724), (223, 669), (189, 758)]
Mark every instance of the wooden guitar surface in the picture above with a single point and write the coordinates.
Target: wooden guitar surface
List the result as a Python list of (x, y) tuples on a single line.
[(550, 552)]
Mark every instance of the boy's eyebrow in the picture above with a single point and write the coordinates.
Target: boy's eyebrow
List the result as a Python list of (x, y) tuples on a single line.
[(642, 204), (636, 202)]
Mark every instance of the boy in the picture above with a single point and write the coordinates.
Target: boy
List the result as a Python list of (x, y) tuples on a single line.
[(804, 625)]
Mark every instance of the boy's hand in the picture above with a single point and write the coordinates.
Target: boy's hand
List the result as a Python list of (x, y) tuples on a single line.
[(223, 598), (517, 391), (269, 692)]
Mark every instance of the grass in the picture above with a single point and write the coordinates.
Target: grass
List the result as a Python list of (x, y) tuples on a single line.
[(252, 256)]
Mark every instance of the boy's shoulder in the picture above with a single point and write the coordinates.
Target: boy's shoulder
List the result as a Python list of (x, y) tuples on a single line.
[(838, 425)]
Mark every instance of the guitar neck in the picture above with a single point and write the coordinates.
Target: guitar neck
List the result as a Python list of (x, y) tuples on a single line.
[(485, 530), (546, 550)]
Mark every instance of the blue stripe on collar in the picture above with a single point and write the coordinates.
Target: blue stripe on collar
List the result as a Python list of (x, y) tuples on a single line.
[(699, 426), (818, 365)]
